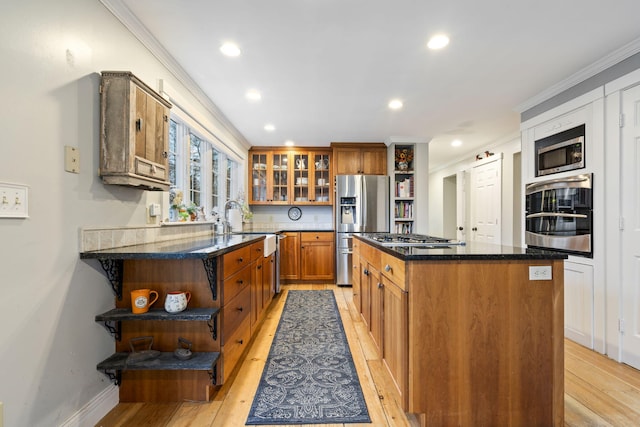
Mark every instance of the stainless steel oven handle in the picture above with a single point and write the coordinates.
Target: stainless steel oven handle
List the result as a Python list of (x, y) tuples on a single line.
[(583, 180), (346, 252), (555, 214)]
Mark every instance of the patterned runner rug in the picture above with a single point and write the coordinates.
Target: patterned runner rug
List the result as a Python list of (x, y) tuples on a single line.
[(309, 377)]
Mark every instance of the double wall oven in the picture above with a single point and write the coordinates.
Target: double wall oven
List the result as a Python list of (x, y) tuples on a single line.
[(559, 214)]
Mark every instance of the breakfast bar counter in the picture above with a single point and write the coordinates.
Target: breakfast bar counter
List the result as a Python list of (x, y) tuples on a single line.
[(471, 334)]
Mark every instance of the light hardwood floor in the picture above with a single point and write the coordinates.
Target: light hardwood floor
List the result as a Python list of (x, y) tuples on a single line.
[(598, 391)]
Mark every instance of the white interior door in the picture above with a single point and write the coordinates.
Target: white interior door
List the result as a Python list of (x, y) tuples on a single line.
[(630, 206), (461, 206), (486, 205)]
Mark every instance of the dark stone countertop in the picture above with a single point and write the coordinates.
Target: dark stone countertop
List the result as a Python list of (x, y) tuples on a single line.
[(195, 248), (470, 252)]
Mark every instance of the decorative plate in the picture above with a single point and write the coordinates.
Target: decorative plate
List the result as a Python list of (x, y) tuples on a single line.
[(295, 213)]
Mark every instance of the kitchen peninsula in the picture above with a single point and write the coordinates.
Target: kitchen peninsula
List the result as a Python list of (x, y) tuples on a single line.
[(231, 281), (471, 334)]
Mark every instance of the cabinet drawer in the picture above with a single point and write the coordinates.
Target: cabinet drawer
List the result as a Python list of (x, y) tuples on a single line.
[(234, 312), (308, 236), (153, 170), (369, 253), (393, 268), (235, 260), (232, 285), (233, 349), (257, 251)]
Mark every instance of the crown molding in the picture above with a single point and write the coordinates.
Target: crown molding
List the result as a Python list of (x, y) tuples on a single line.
[(133, 24), (599, 66)]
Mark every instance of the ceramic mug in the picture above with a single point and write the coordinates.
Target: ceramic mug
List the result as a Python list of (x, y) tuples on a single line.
[(141, 300), (176, 301)]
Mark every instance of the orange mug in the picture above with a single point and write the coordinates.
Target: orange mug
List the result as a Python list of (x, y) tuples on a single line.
[(141, 300)]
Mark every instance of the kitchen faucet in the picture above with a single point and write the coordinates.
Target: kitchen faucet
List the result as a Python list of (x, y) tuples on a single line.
[(225, 221)]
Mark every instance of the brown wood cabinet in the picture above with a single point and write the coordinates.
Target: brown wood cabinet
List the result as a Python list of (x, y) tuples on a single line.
[(308, 256), (222, 315), (317, 256), (290, 256), (467, 342), (134, 133), (285, 177), (368, 158)]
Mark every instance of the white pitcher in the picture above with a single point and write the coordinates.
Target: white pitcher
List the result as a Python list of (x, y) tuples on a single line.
[(176, 301), (300, 164)]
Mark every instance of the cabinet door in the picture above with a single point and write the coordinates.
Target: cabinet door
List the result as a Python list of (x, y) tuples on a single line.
[(369, 275), (290, 256), (374, 161), (317, 260), (257, 279), (322, 178), (301, 177), (395, 343), (150, 123), (348, 161), (258, 172), (268, 280), (375, 325), (280, 173), (356, 285)]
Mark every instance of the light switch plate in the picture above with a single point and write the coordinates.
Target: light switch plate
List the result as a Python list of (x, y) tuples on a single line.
[(71, 159), (539, 272), (14, 200)]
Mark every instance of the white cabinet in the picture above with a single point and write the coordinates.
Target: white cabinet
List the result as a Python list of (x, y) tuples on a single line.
[(578, 303)]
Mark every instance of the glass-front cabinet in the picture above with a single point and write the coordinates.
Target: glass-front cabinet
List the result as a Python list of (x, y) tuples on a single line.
[(269, 177), (290, 177)]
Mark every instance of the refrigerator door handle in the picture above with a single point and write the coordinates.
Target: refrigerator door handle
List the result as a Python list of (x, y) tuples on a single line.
[(363, 204), (347, 252)]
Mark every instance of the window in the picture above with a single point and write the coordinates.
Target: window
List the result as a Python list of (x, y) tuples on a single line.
[(196, 167)]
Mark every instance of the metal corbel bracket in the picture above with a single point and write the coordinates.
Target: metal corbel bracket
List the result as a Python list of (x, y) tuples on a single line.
[(210, 267), (114, 375), (115, 328), (213, 373), (213, 326), (114, 268)]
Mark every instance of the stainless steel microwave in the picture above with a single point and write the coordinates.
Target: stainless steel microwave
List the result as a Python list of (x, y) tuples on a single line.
[(562, 152)]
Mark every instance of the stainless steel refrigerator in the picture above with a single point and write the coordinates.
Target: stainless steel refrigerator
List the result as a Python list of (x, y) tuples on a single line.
[(362, 206)]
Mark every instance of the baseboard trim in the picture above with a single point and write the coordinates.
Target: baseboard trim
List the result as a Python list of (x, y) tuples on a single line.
[(95, 409)]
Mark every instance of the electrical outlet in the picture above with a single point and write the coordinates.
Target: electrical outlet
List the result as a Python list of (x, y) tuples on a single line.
[(14, 201), (539, 272)]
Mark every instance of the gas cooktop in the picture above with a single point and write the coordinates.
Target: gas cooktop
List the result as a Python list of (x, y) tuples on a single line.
[(391, 239)]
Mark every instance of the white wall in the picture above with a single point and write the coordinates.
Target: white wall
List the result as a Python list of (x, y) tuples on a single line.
[(52, 53), (510, 193)]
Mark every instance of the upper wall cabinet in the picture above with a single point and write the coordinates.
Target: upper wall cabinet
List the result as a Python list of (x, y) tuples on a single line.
[(359, 158), (134, 133), (285, 177)]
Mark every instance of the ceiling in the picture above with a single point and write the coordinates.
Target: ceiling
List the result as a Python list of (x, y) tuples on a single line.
[(327, 69)]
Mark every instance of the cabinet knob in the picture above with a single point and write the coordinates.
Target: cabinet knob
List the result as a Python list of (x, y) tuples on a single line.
[(387, 268), (139, 124), (239, 309), (259, 266), (240, 342), (240, 282), (240, 259), (380, 285), (165, 154), (460, 228), (474, 229)]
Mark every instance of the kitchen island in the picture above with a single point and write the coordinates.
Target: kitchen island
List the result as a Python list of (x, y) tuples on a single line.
[(471, 334), (231, 283)]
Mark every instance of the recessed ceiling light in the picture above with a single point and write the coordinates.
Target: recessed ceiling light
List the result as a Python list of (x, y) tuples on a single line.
[(269, 127), (456, 143), (230, 49), (395, 104), (438, 41), (289, 143), (253, 95)]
